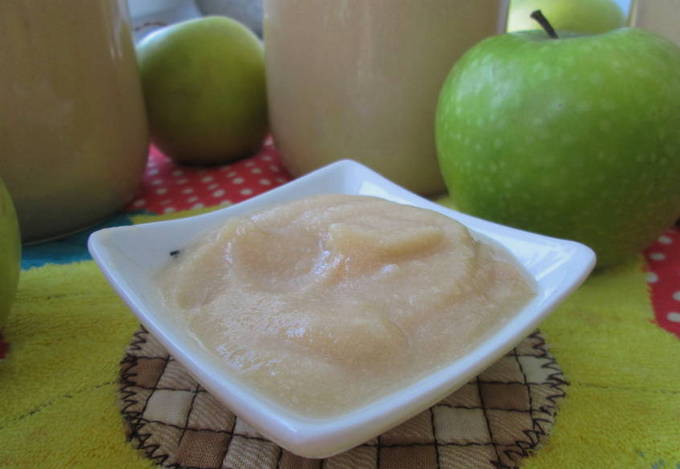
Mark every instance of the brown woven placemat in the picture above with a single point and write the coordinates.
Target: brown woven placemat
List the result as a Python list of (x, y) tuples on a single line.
[(491, 422)]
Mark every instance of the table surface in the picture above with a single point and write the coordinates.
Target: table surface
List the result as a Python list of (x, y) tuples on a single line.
[(604, 372)]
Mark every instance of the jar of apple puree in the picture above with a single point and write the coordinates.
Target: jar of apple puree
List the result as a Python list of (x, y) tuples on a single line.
[(660, 16), (73, 132), (360, 79)]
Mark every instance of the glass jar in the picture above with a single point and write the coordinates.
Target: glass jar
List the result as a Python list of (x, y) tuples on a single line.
[(659, 16), (360, 79), (73, 132)]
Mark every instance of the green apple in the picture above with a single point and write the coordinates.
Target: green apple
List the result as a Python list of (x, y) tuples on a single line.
[(583, 16), (204, 87), (10, 253), (577, 137)]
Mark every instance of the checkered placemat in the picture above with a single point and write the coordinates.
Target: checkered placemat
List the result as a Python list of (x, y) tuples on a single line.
[(491, 422)]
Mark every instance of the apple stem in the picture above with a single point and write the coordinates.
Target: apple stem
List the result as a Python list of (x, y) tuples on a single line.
[(545, 24)]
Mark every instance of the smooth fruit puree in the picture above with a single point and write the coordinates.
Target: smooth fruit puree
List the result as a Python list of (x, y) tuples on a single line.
[(327, 303)]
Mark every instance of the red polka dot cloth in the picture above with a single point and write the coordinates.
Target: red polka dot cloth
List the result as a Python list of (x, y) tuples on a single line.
[(663, 276), (169, 188)]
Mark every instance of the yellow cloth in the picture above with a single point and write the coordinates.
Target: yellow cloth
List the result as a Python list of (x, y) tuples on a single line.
[(68, 331), (622, 408), (58, 405)]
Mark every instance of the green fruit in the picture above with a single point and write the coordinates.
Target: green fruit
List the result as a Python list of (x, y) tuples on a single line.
[(204, 87), (582, 16), (576, 137), (10, 253)]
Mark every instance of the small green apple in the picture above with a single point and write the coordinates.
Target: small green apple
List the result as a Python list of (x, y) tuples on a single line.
[(204, 87), (10, 253), (582, 16), (576, 137)]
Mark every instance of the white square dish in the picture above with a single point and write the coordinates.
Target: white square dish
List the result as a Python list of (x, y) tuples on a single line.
[(131, 256)]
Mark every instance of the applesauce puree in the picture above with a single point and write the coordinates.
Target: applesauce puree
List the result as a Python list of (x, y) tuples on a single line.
[(324, 304)]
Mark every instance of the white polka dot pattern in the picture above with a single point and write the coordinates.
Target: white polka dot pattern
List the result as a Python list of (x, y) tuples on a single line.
[(169, 188), (663, 277)]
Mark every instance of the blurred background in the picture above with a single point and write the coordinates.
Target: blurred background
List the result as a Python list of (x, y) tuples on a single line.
[(149, 15)]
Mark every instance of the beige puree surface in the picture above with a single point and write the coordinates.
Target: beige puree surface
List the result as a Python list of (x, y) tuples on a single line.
[(326, 303)]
